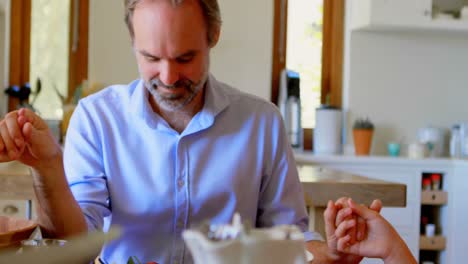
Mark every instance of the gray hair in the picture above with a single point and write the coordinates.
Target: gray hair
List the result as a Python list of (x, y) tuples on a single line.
[(210, 9)]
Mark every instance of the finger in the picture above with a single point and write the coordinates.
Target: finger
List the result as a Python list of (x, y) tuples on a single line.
[(362, 211), (343, 201), (376, 205), (329, 216), (343, 244), (342, 215), (352, 232), (343, 229), (15, 131), (10, 146), (360, 229), (22, 120), (32, 118)]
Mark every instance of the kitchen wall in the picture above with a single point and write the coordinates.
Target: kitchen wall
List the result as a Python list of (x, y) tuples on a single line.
[(111, 58), (242, 57), (404, 81)]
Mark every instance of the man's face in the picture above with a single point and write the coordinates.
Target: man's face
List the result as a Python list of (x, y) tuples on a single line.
[(172, 51)]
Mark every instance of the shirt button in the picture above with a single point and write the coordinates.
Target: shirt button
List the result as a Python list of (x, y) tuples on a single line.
[(180, 183)]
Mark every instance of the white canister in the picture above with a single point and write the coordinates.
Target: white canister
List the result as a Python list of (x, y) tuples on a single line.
[(417, 150), (430, 230), (327, 132)]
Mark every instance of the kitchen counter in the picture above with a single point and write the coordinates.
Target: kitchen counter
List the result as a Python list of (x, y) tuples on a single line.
[(321, 185), (308, 157)]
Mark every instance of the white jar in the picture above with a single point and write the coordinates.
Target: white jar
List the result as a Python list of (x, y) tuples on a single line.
[(417, 150)]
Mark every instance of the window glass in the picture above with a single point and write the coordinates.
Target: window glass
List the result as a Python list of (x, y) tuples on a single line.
[(304, 52), (50, 23)]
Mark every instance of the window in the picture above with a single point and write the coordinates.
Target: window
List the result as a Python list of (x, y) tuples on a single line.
[(50, 25), (49, 39), (308, 38)]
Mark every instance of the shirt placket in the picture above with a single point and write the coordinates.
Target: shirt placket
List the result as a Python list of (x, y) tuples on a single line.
[(181, 200)]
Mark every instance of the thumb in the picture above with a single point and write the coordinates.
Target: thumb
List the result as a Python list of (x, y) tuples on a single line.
[(376, 205), (362, 211)]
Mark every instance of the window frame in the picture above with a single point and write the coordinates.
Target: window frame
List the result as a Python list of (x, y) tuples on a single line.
[(332, 50), (20, 45)]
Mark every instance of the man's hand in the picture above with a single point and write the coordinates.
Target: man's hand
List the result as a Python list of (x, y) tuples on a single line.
[(25, 137), (337, 213)]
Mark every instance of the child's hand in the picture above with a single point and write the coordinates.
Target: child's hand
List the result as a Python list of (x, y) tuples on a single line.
[(380, 241), (334, 215)]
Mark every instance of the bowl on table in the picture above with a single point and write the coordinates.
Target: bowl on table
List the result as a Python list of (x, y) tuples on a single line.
[(14, 230)]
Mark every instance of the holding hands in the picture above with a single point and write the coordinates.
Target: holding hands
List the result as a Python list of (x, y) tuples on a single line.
[(362, 231), (25, 137)]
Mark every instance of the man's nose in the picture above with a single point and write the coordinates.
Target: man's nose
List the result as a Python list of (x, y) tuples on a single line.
[(169, 74)]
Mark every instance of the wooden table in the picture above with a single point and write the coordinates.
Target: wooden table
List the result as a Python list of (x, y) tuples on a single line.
[(321, 185)]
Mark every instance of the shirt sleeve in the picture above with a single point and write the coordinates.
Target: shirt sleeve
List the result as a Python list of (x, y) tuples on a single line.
[(84, 167), (282, 198)]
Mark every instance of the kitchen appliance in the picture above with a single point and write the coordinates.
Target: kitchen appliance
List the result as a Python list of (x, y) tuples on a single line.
[(328, 130), (289, 103)]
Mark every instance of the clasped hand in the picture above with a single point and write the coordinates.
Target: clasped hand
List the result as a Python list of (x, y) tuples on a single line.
[(25, 137)]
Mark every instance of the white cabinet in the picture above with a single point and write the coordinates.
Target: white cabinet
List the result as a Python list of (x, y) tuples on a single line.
[(404, 15), (453, 217)]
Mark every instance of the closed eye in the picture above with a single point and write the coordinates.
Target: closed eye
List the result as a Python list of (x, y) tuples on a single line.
[(149, 58), (186, 58)]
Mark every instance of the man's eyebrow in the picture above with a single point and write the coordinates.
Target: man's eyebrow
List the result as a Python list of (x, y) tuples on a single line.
[(188, 53), (147, 54)]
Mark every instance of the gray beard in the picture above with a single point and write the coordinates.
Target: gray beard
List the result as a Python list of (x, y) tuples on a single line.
[(175, 102)]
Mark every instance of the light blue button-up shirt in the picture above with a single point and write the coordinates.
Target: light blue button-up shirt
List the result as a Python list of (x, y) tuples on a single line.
[(124, 162)]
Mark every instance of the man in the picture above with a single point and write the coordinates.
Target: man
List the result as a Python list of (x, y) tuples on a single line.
[(166, 152)]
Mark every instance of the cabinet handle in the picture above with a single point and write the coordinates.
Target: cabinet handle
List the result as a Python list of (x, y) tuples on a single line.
[(427, 12), (434, 197), (10, 209)]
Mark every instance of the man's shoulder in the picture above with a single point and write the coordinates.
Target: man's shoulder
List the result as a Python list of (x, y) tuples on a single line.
[(239, 98), (109, 95)]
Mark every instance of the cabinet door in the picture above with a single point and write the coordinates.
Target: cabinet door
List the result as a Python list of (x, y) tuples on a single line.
[(400, 12)]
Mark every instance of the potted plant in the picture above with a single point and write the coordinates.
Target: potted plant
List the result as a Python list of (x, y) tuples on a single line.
[(363, 129)]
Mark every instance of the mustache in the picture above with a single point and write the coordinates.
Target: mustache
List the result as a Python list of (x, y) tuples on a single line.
[(156, 82)]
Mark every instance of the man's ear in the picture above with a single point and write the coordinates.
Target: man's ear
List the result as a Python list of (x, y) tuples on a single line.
[(217, 33)]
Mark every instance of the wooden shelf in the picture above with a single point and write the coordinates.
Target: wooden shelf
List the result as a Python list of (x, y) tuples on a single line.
[(434, 197), (432, 243)]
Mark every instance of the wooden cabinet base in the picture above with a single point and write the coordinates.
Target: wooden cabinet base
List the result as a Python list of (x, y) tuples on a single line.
[(434, 197), (432, 243)]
